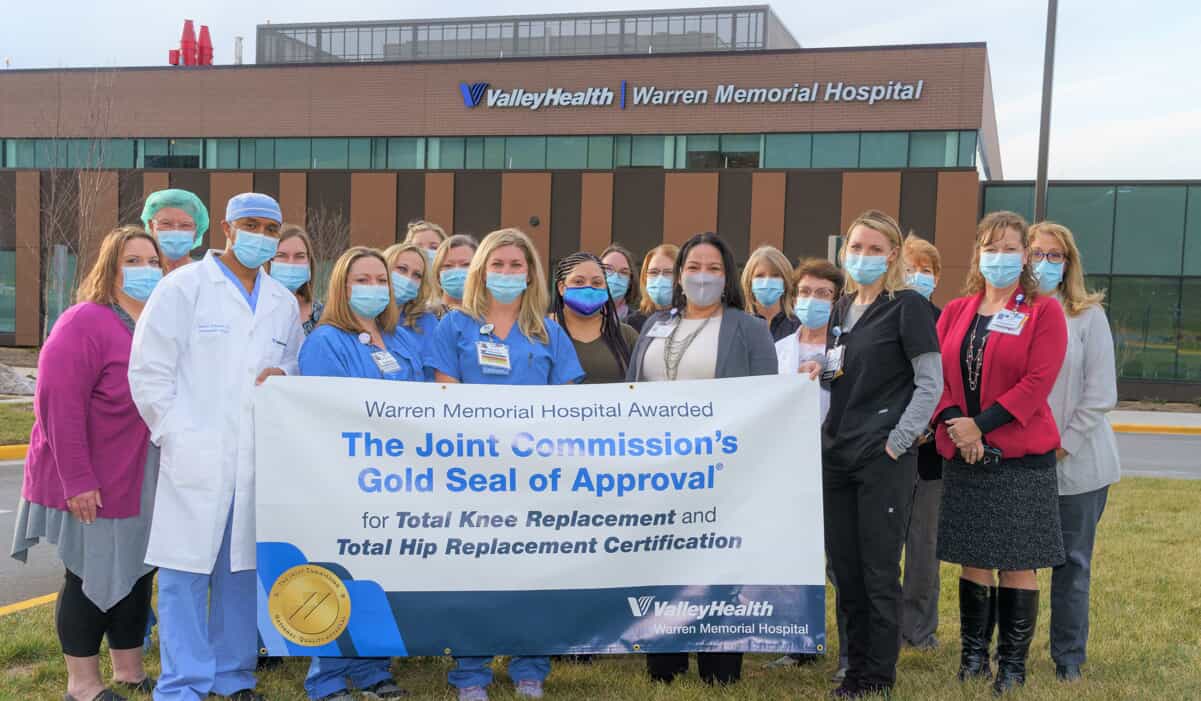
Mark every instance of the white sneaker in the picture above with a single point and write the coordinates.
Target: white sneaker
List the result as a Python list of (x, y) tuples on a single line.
[(473, 693), (529, 688)]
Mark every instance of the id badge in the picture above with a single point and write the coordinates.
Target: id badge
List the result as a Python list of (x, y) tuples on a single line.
[(386, 362), (1008, 321), (833, 368), (662, 329), (493, 358)]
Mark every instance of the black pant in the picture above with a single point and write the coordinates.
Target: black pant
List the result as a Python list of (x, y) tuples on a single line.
[(866, 510), (714, 667), (81, 624)]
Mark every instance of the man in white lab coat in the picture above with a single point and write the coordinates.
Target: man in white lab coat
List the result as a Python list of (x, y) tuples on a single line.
[(209, 334)]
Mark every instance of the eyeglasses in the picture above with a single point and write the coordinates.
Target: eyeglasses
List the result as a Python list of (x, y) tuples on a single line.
[(1054, 256), (656, 272), (820, 293), (169, 225)]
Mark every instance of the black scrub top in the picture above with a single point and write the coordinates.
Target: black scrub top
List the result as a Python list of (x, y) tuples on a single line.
[(867, 400)]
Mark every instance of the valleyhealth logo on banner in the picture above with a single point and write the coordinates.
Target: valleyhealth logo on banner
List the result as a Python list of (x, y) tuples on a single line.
[(420, 519)]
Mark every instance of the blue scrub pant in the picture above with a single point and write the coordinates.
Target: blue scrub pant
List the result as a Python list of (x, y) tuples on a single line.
[(1079, 515), (208, 631), (327, 675), (477, 671)]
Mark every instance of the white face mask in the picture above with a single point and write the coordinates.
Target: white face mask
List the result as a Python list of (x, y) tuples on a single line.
[(703, 289)]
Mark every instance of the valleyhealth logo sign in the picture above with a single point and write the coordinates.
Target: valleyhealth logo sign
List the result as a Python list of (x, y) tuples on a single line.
[(472, 93), (643, 606)]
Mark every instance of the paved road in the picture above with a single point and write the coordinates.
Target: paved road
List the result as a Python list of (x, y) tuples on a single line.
[(1143, 455)]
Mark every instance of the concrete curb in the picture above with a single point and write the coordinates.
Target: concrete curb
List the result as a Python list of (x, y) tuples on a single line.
[(13, 452), (27, 604)]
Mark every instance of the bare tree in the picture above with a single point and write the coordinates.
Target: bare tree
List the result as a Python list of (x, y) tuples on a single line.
[(330, 231)]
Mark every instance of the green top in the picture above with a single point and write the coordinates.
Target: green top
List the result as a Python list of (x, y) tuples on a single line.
[(599, 364)]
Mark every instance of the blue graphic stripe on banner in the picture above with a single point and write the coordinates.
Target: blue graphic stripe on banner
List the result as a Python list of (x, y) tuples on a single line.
[(274, 642), (372, 626), (273, 560)]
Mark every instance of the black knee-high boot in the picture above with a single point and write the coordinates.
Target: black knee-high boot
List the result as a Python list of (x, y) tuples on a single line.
[(1017, 615), (977, 617)]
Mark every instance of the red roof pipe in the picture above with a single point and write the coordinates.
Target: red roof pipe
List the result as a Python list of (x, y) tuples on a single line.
[(187, 44), (204, 47)]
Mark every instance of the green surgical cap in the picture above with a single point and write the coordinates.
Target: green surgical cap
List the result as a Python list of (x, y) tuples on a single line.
[(179, 199)]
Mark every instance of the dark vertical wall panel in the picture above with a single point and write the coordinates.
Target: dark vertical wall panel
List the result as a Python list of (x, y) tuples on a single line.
[(565, 194), (410, 201), (812, 212), (734, 213), (8, 210), (197, 182), (638, 209), (29, 258), (129, 197), (327, 196), (919, 202), (267, 183), (477, 203)]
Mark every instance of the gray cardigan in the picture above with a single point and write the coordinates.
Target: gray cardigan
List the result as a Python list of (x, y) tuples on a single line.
[(744, 346)]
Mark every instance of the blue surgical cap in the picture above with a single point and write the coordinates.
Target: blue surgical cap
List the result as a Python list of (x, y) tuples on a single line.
[(178, 199), (252, 204)]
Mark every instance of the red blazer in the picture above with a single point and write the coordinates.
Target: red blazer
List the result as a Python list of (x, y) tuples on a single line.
[(1019, 372)]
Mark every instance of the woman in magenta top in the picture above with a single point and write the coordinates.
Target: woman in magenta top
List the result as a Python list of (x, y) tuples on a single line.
[(89, 482)]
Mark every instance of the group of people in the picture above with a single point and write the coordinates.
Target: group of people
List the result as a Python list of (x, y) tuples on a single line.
[(976, 436)]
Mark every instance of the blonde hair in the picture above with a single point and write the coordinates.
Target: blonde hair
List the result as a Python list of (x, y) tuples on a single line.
[(337, 305), (534, 301), (414, 308), (100, 284), (290, 231), (992, 227), (670, 250), (919, 248), (420, 225), (1076, 297), (894, 277), (773, 257)]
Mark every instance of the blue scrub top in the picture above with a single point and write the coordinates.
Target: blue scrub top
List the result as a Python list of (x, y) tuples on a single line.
[(453, 352), (332, 352), (420, 339)]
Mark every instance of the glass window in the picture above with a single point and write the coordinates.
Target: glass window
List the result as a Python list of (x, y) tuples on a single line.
[(330, 153), (227, 153), (1192, 233), (406, 153), (567, 152), (701, 151), (446, 153), (1088, 212), (474, 152), (59, 285), (155, 153), (292, 154), (264, 153), (360, 153), (884, 149), (379, 153), (185, 153), (1010, 198), (1143, 312), (525, 152), (1149, 230), (651, 151), (933, 149), (246, 153), (1188, 358), (8, 291), (82, 153), (741, 150), (600, 152), (967, 149), (835, 150), (23, 153), (787, 150), (494, 152)]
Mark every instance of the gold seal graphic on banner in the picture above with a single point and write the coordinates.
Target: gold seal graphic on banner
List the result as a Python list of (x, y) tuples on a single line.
[(309, 605)]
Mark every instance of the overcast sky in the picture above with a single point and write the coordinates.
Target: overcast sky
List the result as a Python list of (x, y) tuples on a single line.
[(1127, 102)]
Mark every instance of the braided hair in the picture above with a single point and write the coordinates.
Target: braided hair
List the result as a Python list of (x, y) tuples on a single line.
[(610, 323)]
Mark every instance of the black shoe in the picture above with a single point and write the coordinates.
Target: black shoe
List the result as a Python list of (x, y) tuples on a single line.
[(1017, 614), (106, 695), (976, 621), (246, 695), (1068, 672), (146, 686), (849, 689), (265, 663)]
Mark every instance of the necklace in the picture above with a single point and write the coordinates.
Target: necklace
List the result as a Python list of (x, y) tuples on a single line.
[(975, 356), (673, 351)]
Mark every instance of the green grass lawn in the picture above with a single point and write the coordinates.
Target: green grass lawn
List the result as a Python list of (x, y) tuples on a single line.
[(1146, 633), (15, 422)]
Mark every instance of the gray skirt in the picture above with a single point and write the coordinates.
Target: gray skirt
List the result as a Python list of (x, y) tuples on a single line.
[(108, 555), (1001, 517)]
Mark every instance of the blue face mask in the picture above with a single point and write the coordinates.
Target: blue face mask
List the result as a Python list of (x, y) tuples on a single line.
[(368, 301), (1001, 269), (292, 275), (253, 250), (813, 313), (403, 288), (865, 269), (585, 301), (1049, 275), (139, 282), (506, 287), (453, 280), (430, 253), (767, 290), (618, 285), (923, 283), (176, 244), (659, 289)]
